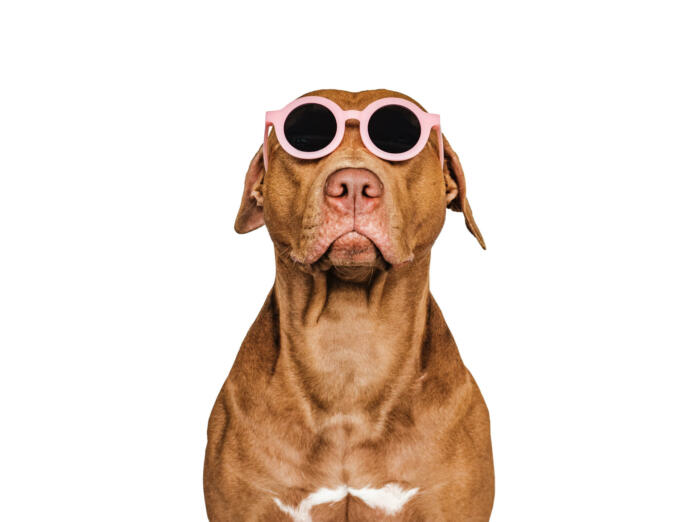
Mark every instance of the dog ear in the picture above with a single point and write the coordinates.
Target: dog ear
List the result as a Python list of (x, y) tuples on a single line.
[(456, 191), (250, 215)]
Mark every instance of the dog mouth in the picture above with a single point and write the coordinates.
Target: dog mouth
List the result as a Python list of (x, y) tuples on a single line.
[(352, 249), (353, 257)]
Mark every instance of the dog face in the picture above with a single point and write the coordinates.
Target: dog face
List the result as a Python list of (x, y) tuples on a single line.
[(351, 209)]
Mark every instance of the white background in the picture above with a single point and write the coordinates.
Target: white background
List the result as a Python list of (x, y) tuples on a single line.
[(125, 132)]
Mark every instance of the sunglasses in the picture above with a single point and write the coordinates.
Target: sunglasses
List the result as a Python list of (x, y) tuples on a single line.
[(312, 127)]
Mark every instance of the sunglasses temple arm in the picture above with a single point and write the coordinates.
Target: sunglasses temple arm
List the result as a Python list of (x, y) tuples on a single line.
[(265, 146), (442, 148)]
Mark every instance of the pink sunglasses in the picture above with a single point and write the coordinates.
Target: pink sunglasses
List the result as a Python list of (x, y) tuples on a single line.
[(312, 127)]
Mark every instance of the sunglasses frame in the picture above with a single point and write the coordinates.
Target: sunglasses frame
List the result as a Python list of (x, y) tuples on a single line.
[(427, 122)]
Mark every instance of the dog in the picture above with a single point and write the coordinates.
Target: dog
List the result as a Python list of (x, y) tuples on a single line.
[(348, 399)]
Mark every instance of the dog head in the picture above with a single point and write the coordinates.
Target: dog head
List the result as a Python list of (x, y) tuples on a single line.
[(351, 208)]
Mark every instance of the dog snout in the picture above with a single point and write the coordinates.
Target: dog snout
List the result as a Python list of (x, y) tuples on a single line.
[(353, 191)]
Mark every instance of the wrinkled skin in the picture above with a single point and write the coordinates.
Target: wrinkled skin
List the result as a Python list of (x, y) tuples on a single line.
[(349, 375)]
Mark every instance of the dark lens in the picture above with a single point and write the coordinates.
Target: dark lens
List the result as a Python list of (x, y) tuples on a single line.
[(394, 129), (310, 127)]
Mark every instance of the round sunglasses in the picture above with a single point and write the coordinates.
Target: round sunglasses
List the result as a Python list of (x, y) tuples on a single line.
[(312, 127)]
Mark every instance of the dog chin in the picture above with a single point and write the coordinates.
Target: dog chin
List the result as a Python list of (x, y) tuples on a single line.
[(352, 249), (353, 256)]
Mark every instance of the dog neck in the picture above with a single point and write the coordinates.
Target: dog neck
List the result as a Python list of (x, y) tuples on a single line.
[(351, 348)]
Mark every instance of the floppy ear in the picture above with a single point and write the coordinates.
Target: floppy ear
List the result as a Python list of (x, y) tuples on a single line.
[(456, 191), (250, 215)]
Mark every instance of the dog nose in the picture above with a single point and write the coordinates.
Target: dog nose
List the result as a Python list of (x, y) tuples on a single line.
[(353, 190)]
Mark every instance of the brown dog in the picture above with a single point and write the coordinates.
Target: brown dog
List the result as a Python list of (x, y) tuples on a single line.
[(348, 399)]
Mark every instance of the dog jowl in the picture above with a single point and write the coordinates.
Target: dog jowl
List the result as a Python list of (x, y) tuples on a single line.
[(348, 399)]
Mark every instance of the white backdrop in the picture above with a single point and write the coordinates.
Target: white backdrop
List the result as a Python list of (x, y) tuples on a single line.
[(125, 132)]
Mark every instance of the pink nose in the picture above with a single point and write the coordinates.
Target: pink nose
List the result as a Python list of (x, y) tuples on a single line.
[(353, 191)]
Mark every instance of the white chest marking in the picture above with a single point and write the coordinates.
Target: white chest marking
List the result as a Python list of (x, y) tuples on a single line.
[(390, 499)]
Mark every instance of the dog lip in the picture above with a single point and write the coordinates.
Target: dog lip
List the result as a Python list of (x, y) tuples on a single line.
[(355, 233), (318, 255), (352, 248), (352, 233)]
